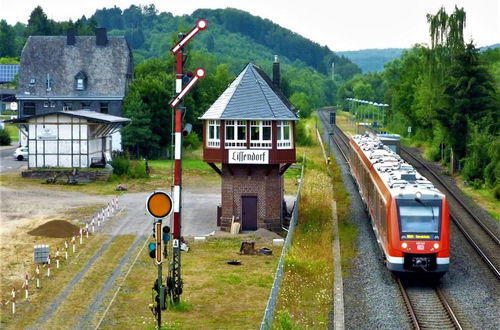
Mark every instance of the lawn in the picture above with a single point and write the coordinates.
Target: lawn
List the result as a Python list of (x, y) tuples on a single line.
[(216, 295)]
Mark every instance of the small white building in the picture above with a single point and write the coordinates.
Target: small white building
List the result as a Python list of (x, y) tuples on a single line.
[(69, 139)]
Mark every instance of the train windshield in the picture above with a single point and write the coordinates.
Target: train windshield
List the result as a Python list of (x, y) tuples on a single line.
[(419, 219)]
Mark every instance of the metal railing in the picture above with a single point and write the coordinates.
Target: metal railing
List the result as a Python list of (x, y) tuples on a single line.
[(267, 320)]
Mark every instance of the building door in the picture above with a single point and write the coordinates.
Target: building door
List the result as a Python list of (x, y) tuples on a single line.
[(249, 212)]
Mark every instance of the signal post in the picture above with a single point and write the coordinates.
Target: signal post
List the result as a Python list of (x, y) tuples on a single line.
[(159, 206)]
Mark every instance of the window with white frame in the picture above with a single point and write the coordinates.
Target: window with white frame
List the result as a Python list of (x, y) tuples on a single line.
[(79, 84), (284, 131), (260, 134), (236, 134), (213, 140)]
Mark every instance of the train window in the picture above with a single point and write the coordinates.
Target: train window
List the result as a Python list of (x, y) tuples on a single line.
[(419, 217)]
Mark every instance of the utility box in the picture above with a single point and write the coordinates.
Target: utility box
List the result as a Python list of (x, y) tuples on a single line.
[(41, 254)]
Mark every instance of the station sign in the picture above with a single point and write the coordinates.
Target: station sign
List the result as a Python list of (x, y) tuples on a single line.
[(238, 156)]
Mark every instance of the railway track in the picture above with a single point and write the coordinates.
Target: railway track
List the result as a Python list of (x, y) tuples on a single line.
[(482, 238), (427, 307)]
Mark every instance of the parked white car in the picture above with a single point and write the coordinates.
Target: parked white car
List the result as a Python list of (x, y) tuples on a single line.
[(21, 153)]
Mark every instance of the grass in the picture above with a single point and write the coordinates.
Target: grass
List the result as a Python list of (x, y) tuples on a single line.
[(483, 196), (29, 311), (195, 172), (215, 294), (305, 298)]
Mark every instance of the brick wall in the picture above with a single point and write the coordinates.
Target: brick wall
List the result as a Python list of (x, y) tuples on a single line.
[(262, 181)]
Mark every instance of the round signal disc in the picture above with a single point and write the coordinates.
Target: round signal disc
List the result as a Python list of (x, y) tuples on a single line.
[(159, 204)]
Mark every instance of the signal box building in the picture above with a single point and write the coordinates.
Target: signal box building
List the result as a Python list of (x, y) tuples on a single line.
[(250, 131)]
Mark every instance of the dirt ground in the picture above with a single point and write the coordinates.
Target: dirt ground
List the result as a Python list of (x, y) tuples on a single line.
[(23, 210)]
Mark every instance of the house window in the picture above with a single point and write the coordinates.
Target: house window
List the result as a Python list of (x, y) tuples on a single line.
[(48, 83), (79, 84), (52, 104), (284, 135), (260, 134), (104, 107), (213, 134), (29, 108), (236, 133), (32, 81), (67, 106), (46, 104), (85, 105)]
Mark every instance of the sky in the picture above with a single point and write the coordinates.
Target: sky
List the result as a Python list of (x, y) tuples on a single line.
[(341, 25)]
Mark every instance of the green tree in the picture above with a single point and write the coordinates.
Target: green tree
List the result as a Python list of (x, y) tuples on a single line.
[(469, 96), (137, 137), (7, 40), (301, 101), (38, 23)]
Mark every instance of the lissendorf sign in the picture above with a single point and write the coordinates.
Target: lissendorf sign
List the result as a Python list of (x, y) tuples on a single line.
[(238, 156)]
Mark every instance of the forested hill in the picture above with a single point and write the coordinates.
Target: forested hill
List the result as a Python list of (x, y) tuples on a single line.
[(372, 60), (234, 36)]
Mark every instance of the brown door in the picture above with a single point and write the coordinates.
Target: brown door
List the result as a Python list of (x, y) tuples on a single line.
[(249, 212)]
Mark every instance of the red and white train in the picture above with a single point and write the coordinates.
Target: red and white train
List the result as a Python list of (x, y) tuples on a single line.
[(409, 215)]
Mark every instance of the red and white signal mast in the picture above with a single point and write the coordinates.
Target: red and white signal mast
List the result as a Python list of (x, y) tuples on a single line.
[(174, 281)]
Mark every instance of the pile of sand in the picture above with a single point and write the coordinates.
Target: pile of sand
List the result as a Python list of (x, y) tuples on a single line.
[(56, 229)]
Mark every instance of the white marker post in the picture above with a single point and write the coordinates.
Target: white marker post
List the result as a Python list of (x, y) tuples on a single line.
[(38, 276), (57, 258), (87, 230), (26, 286), (73, 242), (81, 236), (48, 266), (13, 300)]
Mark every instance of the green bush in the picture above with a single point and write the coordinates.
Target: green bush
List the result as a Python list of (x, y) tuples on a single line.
[(120, 165), (191, 142), (496, 192), (137, 170), (303, 139), (4, 137)]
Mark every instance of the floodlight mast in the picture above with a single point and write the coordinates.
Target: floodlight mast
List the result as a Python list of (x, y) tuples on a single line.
[(174, 281)]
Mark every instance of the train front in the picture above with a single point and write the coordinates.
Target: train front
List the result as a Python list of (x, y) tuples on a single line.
[(421, 236)]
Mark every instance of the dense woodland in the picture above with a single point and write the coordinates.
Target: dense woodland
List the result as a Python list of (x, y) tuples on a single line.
[(448, 93), (233, 39)]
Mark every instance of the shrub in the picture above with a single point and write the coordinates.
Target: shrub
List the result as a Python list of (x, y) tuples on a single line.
[(191, 142), (496, 192), (137, 170), (120, 165), (4, 137), (303, 138)]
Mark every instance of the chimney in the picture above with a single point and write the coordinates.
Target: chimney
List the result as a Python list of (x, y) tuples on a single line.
[(70, 37), (101, 37), (276, 73)]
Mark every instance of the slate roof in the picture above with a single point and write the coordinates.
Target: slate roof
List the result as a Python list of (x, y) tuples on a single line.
[(108, 68), (251, 96), (91, 116)]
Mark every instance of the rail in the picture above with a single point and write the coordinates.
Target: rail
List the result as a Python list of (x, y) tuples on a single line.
[(267, 320)]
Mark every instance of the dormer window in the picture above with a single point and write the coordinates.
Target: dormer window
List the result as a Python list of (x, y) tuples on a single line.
[(79, 84), (81, 81), (32, 81)]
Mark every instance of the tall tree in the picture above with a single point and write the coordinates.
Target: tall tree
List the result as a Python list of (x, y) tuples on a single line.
[(7, 40), (38, 23)]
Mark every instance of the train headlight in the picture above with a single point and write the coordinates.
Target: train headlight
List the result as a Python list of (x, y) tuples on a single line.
[(436, 245), (404, 245)]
